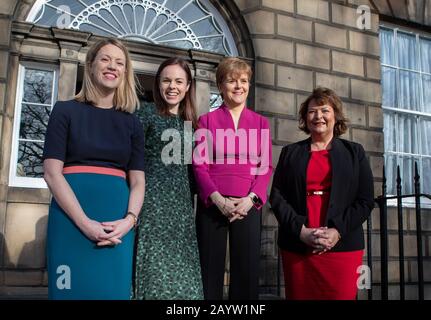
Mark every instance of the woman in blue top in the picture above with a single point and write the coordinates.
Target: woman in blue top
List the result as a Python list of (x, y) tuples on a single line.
[(94, 167)]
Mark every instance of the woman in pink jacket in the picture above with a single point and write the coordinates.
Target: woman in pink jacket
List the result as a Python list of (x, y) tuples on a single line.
[(233, 165)]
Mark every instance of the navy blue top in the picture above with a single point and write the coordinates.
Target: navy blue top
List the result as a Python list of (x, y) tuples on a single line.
[(82, 134)]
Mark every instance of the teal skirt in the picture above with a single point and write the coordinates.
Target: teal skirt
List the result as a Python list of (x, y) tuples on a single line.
[(77, 268)]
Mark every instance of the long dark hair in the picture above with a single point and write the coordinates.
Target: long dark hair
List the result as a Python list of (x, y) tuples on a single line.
[(187, 107)]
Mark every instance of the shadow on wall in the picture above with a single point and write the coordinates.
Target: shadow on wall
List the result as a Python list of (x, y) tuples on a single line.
[(4, 253), (33, 253)]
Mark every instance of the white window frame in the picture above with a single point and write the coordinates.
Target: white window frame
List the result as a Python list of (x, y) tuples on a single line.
[(409, 202), (14, 180)]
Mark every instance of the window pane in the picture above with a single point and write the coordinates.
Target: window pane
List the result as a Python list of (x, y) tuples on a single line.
[(34, 121), (407, 55), (38, 86), (425, 132), (425, 45), (426, 173), (391, 173), (407, 140), (30, 160), (426, 89), (387, 46), (389, 95), (215, 101), (389, 130), (143, 20), (406, 169), (409, 94)]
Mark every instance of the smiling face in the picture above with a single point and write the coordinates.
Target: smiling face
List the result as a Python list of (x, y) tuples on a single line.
[(108, 68), (320, 119), (234, 89), (173, 85)]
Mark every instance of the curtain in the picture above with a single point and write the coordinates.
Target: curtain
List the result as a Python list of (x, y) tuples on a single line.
[(406, 85)]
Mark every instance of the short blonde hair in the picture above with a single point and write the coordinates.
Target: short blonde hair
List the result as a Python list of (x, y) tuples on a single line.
[(232, 66), (125, 97)]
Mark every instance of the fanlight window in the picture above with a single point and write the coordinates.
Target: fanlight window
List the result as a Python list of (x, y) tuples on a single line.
[(180, 23)]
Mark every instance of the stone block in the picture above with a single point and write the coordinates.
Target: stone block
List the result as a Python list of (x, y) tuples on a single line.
[(25, 235), (339, 84), (349, 16), (294, 28), (295, 78), (276, 151), (268, 217), (425, 220), (265, 73), (67, 80), (275, 101), (7, 7), (269, 272), (6, 150), (376, 164), (2, 98), (348, 63), (370, 140), (268, 243), (356, 113), (276, 49), (282, 5), (260, 22), (246, 4), (5, 25), (364, 43), (373, 68), (330, 36), (22, 278), (366, 91), (4, 57), (300, 98), (312, 56), (287, 130), (375, 117), (413, 270), (26, 195), (316, 9)]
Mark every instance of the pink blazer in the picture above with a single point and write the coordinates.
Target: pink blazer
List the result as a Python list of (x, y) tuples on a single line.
[(231, 162)]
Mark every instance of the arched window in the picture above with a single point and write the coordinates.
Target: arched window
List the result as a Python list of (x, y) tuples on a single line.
[(188, 24)]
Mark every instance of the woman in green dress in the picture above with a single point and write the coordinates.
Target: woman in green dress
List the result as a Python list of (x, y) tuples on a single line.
[(167, 258)]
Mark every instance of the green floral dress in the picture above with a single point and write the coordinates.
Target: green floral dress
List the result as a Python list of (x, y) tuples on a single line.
[(167, 258)]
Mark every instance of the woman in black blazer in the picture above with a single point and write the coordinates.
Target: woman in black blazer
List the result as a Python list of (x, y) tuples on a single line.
[(321, 195)]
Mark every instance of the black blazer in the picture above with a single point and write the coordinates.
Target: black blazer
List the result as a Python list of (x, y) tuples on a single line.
[(351, 199)]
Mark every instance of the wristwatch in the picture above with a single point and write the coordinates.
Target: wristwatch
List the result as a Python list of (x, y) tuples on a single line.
[(254, 198)]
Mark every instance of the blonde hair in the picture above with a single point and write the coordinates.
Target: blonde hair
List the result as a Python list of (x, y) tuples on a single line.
[(232, 66), (125, 97)]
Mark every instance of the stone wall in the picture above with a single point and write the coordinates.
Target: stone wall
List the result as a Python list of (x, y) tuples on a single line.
[(298, 45)]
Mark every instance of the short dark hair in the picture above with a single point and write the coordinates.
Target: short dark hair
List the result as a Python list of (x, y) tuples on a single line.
[(323, 96)]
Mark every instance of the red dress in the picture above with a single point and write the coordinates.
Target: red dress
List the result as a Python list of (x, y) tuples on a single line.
[(331, 275)]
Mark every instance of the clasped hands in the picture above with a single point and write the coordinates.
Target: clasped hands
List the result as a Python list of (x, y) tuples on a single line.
[(232, 208), (320, 239), (106, 233)]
